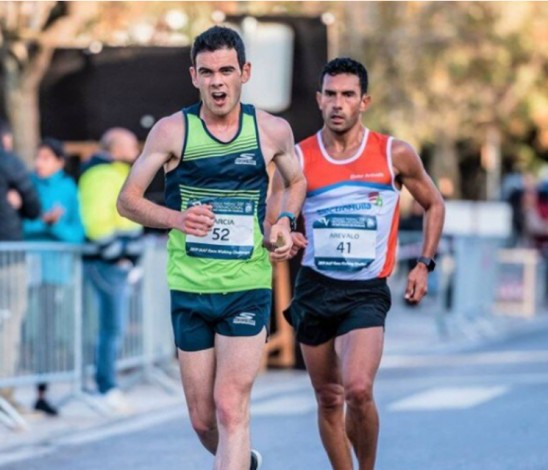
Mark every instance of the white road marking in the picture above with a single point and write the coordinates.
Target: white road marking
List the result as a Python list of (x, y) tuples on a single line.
[(518, 378), (23, 454), (448, 398), (487, 358)]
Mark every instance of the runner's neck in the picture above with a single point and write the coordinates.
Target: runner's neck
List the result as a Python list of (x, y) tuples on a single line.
[(342, 146)]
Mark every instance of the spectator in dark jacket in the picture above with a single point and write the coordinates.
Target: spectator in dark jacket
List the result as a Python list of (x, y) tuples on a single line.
[(18, 200)]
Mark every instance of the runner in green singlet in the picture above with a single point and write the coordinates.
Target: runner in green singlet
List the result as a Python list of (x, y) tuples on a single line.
[(215, 156)]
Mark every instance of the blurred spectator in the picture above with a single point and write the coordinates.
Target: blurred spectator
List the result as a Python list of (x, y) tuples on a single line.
[(535, 216), (535, 220), (512, 188), (118, 245), (60, 221), (6, 136), (60, 218), (18, 200)]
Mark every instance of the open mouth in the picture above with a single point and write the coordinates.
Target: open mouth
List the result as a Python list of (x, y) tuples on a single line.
[(219, 97)]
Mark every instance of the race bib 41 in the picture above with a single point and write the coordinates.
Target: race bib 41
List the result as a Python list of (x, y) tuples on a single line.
[(344, 242)]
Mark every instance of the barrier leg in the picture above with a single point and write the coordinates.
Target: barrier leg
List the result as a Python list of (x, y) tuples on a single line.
[(11, 417)]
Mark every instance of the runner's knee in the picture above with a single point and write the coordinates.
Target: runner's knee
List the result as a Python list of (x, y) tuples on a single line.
[(204, 430), (359, 393), (330, 396), (232, 409), (202, 417), (202, 425)]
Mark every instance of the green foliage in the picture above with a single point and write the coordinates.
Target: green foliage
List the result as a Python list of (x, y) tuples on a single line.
[(454, 68)]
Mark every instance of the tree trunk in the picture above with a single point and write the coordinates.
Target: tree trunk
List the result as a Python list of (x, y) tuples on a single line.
[(22, 105), (24, 69), (445, 167), (491, 161), (21, 94)]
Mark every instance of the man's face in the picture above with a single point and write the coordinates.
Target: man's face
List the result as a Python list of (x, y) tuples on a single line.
[(219, 78), (125, 148), (46, 163), (341, 102)]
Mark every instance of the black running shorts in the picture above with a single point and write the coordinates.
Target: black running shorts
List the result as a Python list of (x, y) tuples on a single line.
[(323, 308)]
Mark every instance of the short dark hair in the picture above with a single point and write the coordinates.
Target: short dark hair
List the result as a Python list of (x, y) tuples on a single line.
[(346, 65), (56, 146), (218, 37)]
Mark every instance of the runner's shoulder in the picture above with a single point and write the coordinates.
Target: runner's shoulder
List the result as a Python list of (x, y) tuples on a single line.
[(169, 126), (272, 126), (167, 135)]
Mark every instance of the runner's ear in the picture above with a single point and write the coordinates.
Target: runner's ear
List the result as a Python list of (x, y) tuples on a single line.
[(246, 72)]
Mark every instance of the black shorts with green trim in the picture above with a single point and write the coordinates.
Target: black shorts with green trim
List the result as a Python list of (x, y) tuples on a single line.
[(323, 308), (196, 318)]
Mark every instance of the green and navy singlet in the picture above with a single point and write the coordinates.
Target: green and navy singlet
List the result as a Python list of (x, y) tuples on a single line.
[(232, 178)]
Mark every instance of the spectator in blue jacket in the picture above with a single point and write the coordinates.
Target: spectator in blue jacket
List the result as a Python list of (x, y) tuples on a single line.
[(59, 221), (58, 193)]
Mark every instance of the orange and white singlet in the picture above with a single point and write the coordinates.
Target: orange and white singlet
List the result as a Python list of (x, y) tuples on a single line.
[(351, 211)]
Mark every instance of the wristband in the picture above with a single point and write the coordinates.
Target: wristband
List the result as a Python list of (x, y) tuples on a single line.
[(292, 219)]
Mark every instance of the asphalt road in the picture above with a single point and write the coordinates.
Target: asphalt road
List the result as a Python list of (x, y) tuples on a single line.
[(485, 409)]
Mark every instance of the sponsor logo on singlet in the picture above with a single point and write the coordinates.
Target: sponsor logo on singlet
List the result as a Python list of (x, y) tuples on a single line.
[(345, 208), (245, 159)]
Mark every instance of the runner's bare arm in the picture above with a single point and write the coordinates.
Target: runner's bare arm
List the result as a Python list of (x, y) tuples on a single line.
[(411, 173), (277, 140), (162, 148), (274, 208), (275, 199)]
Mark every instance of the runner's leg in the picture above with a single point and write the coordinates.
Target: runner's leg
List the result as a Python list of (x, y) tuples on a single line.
[(198, 375), (238, 362), (360, 353), (325, 375)]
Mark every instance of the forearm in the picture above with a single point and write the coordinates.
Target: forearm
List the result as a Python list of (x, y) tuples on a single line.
[(434, 217), (284, 200), (294, 196), (275, 200), (146, 212)]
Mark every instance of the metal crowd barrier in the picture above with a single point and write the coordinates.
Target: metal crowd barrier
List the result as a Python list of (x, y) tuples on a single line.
[(440, 282), (48, 333), (48, 324), (148, 343), (474, 279), (40, 320), (158, 342), (521, 283), (410, 248)]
